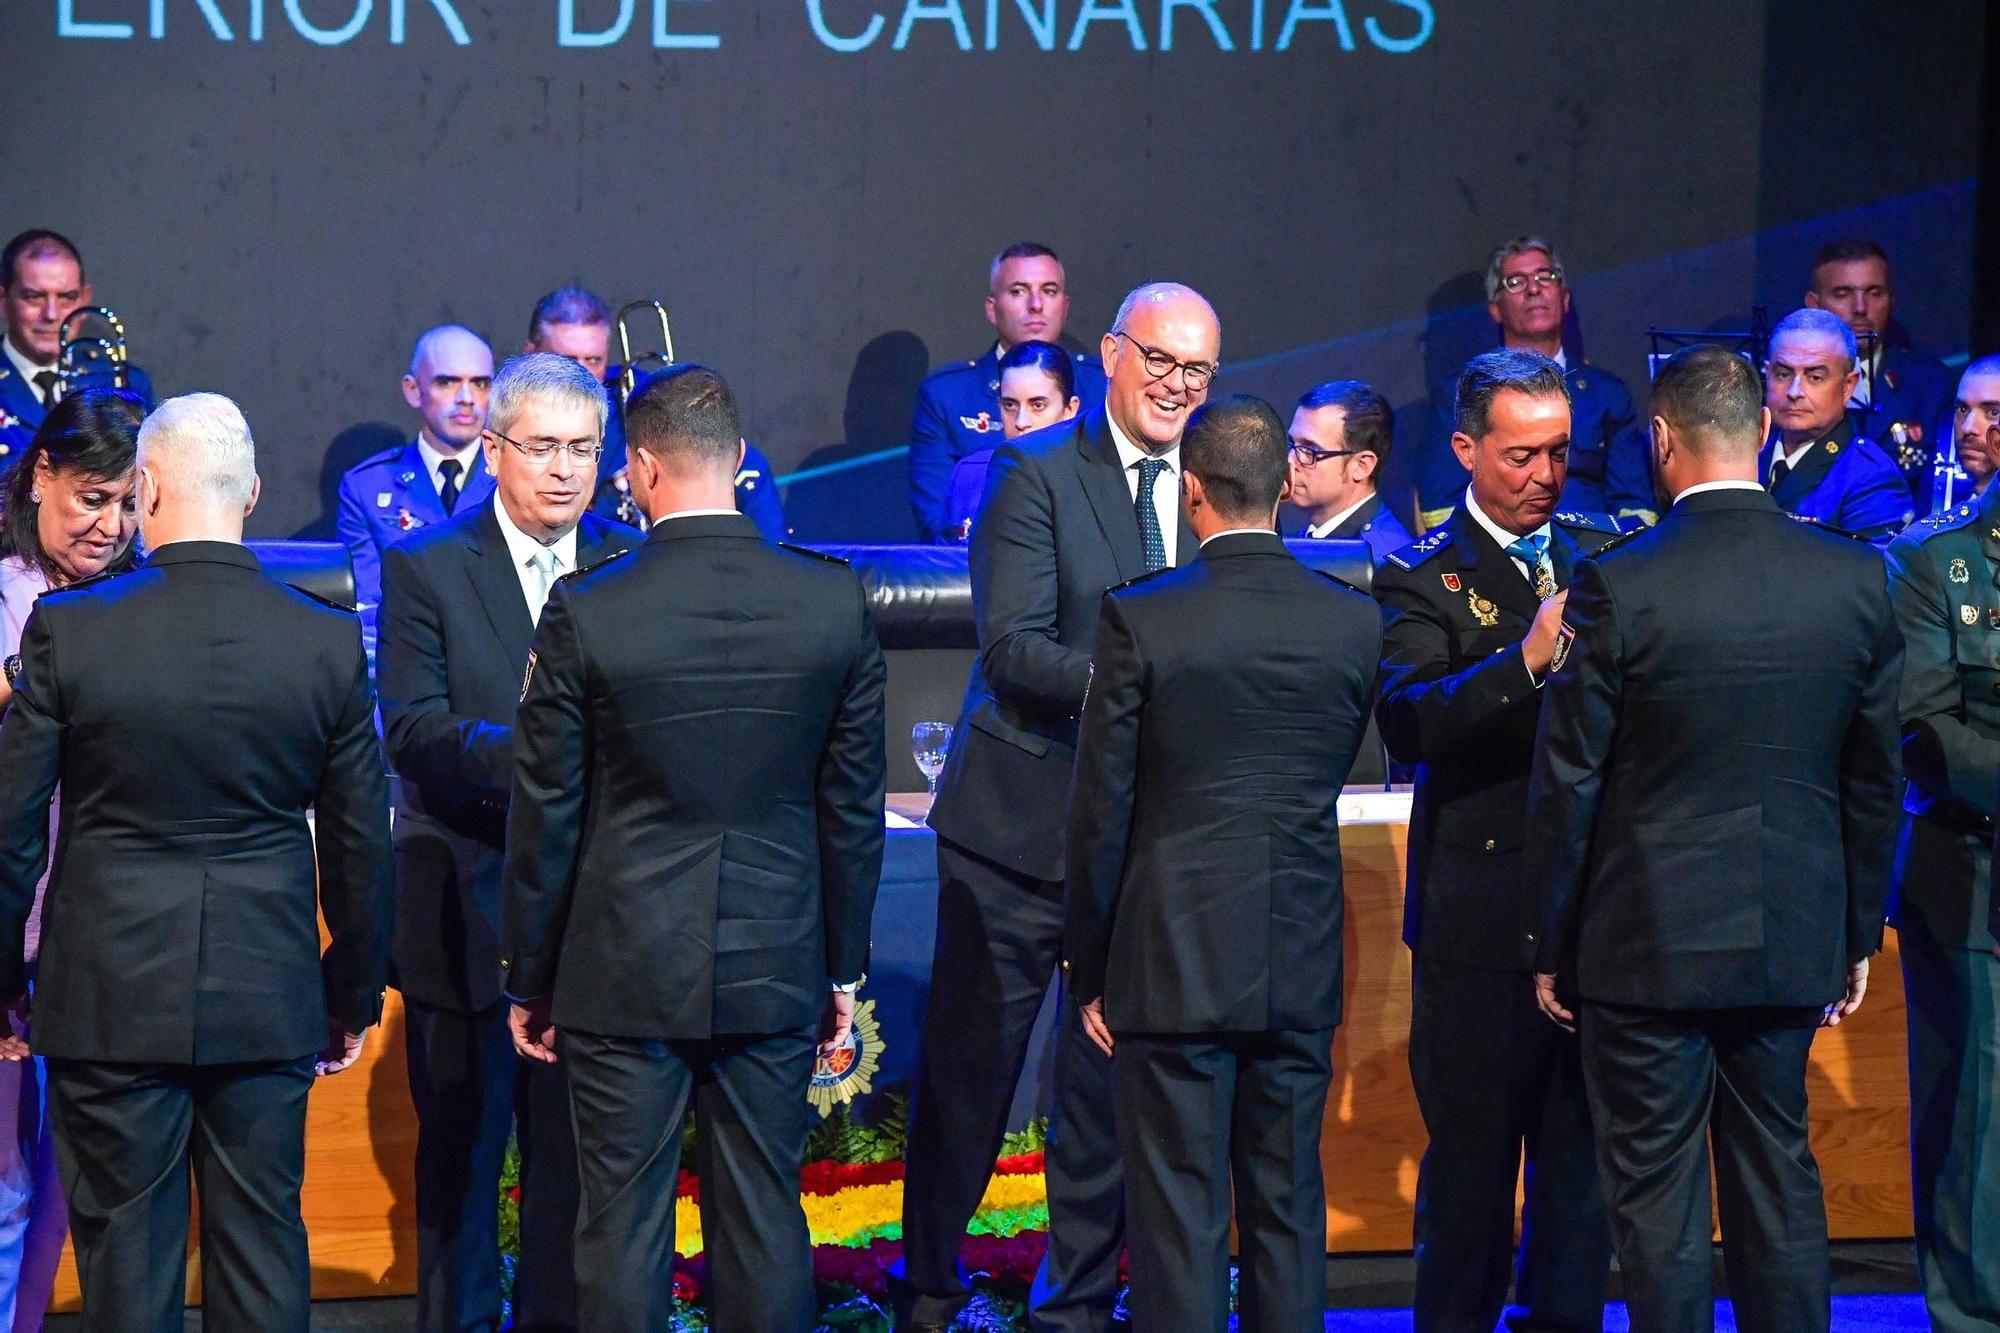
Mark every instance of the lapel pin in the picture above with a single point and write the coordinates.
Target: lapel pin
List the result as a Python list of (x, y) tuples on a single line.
[(1968, 616), (1451, 583), (1958, 573)]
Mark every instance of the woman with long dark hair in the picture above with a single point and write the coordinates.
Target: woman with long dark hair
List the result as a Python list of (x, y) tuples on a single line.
[(67, 513)]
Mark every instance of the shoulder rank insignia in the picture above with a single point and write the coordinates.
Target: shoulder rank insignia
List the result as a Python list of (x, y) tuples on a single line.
[(1958, 573), (1485, 612), (1149, 574), (599, 563), (827, 556), (1594, 522), (1421, 550)]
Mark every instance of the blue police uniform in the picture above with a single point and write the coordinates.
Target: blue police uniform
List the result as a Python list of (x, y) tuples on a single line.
[(22, 413), (1845, 481), (1373, 523), (1909, 414), (958, 413), (384, 498), (1610, 468), (756, 481)]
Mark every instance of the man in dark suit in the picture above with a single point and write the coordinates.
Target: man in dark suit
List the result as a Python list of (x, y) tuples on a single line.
[(1712, 818), (958, 405), (1202, 933), (693, 847), (1070, 511), (1945, 583), (193, 712), (386, 497), (1471, 616), (1340, 437), (459, 604)]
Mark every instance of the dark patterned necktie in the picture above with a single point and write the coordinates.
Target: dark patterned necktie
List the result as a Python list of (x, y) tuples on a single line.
[(448, 485), (1150, 535)]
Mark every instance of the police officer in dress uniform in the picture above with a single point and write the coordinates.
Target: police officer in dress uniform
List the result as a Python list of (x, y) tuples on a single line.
[(1815, 465), (958, 407), (1340, 437), (1901, 398), (386, 497), (1470, 618), (42, 279), (1527, 295), (1945, 582)]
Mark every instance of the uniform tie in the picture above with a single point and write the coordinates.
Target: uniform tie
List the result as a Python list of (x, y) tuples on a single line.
[(45, 381), (1149, 517), (1781, 468), (1533, 551), (544, 565), (448, 471)]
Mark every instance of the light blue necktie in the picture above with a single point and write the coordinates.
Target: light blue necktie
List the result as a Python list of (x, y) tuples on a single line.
[(1533, 551), (1149, 517)]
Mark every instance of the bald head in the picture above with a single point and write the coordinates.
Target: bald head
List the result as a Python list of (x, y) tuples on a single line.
[(1159, 359), (451, 372)]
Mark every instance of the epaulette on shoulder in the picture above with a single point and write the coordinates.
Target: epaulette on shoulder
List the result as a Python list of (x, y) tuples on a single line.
[(817, 555), (1620, 540), (1828, 528), (581, 570), (1944, 520), (330, 603), (1590, 521), (1422, 549), (103, 576), (389, 455), (1143, 578)]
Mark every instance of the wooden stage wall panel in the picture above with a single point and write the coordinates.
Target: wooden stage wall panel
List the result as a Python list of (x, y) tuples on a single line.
[(360, 1204)]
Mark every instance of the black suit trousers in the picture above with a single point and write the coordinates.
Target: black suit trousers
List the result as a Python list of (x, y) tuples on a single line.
[(999, 941), (749, 1097), (1196, 1113), (471, 1092), (126, 1136), (1501, 1090), (1663, 1084)]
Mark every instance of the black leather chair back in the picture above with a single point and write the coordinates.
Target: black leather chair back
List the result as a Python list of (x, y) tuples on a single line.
[(320, 568)]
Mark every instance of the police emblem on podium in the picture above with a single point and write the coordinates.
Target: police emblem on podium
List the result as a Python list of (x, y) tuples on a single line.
[(849, 1071)]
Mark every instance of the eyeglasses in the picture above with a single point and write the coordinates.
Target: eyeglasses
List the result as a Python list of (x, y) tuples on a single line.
[(1312, 457), (540, 452), (1541, 277), (1159, 364)]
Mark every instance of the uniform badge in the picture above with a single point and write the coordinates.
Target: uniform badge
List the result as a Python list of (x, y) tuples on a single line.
[(406, 520), (980, 424), (1968, 616), (1832, 448), (1958, 573), (1889, 378), (1581, 385), (849, 1071), (1993, 617), (382, 499), (1994, 533), (1565, 639), (1484, 611), (407, 477), (529, 674), (1451, 583)]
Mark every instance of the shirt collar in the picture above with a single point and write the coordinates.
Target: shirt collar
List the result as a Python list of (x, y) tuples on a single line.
[(1236, 532), (692, 513), (520, 546), (432, 457), (23, 367), (1501, 537), (1702, 487), (1129, 453), (1561, 358), (1321, 529)]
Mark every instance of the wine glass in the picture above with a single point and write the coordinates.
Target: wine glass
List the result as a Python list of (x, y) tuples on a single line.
[(930, 742)]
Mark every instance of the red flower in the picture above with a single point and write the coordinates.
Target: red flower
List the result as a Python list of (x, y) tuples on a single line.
[(687, 1187), (689, 1277)]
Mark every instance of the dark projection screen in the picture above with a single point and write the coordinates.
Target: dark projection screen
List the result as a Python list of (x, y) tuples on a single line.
[(278, 194)]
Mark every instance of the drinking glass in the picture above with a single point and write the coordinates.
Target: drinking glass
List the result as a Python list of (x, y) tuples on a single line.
[(930, 742)]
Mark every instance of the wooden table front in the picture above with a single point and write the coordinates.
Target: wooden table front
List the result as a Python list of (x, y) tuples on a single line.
[(360, 1202)]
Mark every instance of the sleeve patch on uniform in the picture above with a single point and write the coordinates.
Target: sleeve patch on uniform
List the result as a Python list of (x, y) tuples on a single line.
[(1565, 639), (529, 675)]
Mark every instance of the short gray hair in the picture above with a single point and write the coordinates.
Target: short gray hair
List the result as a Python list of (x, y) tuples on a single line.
[(1520, 245), (547, 377), (1813, 321), (1487, 374), (199, 447)]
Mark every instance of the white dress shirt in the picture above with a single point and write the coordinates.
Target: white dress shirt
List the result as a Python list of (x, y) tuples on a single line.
[(1501, 536), (468, 459), (525, 552), (23, 367), (1700, 487), (1166, 487), (1232, 532), (1322, 529), (1793, 458)]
